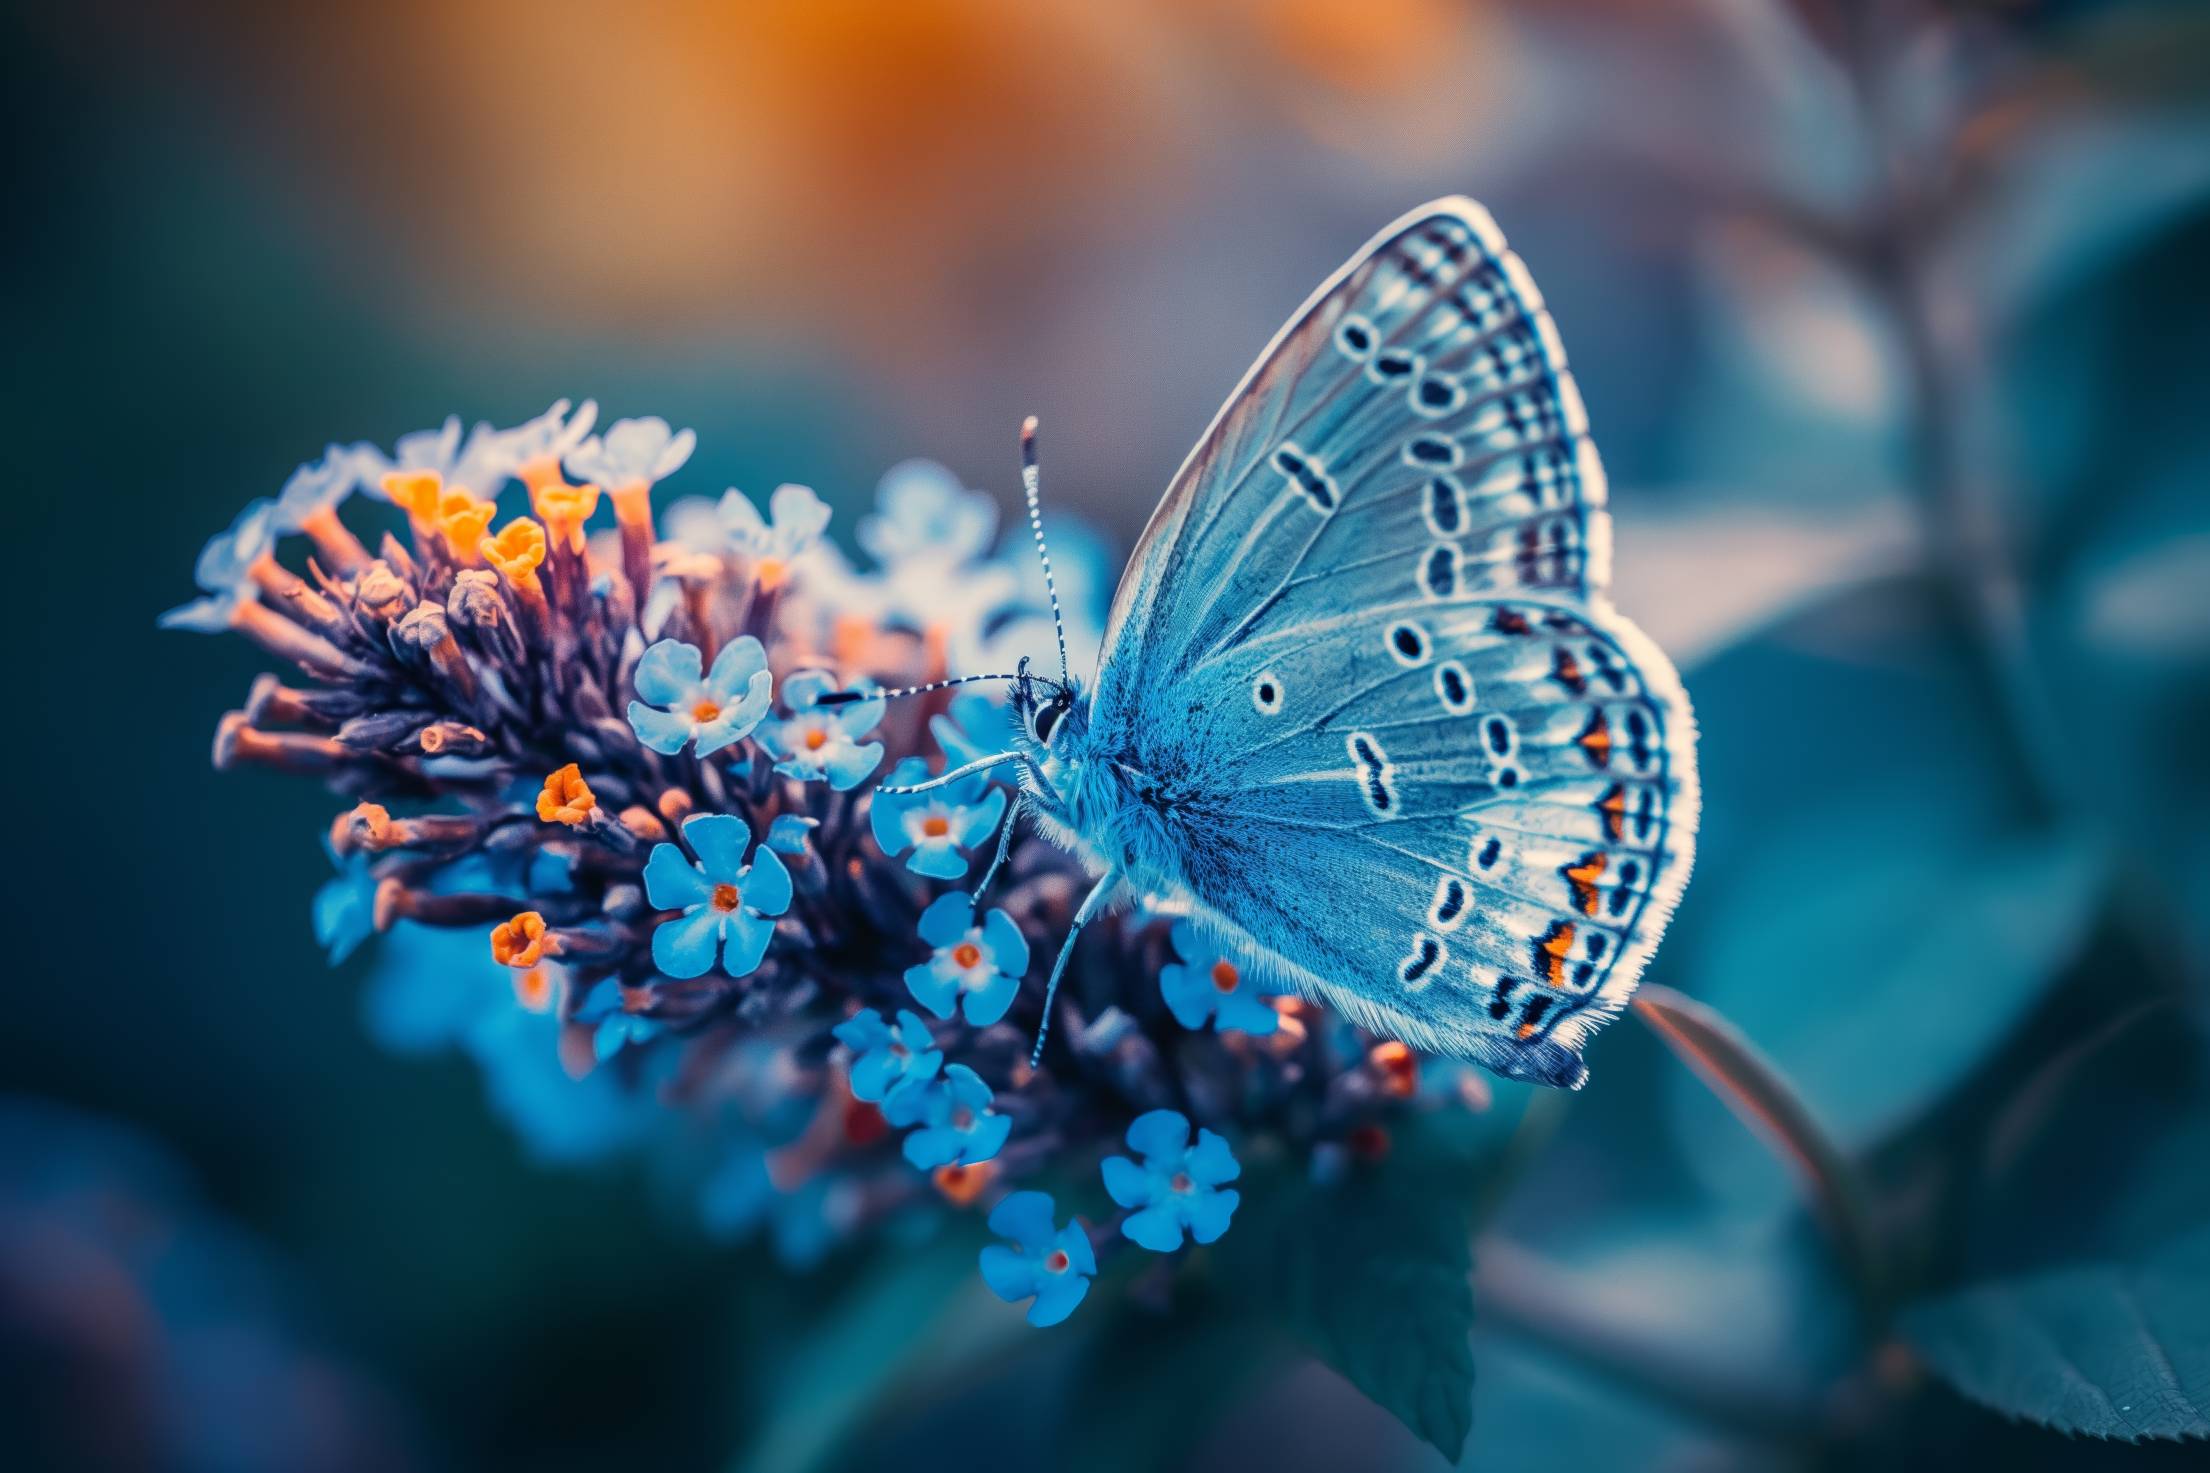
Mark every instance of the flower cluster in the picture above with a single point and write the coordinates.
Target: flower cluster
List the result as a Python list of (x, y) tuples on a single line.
[(601, 762)]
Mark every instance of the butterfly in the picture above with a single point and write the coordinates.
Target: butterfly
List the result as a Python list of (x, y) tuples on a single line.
[(1364, 711)]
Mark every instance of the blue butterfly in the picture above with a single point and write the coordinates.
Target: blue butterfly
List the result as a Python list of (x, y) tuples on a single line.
[(1364, 710)]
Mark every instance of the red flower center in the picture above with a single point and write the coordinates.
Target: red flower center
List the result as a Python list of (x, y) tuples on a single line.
[(1224, 976), (965, 955), (726, 898), (936, 826), (1058, 1261), (1181, 1182), (816, 739), (705, 711)]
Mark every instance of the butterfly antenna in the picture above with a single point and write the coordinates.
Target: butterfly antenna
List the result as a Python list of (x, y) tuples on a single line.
[(1032, 484), (847, 697)]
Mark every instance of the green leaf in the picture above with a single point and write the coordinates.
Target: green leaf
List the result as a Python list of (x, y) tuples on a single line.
[(2110, 1349), (1374, 1273)]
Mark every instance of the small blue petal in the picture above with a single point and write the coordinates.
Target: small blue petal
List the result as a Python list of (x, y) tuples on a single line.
[(1159, 1133), (668, 672), (748, 937), (1008, 947), (662, 732), (987, 1004), (1158, 1228), (1209, 1213), (1010, 1275), (686, 946), (1057, 1299), (931, 991), (848, 766), (937, 861), (1126, 1183), (1027, 1218), (1210, 1162), (672, 882), (948, 919), (766, 886), (719, 839)]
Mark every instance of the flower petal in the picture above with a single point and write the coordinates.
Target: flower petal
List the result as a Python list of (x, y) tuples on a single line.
[(939, 861), (849, 765), (1158, 1134), (739, 660), (990, 1002), (1075, 1243), (1126, 1183), (1158, 1228), (668, 672), (1210, 1162), (937, 1145), (672, 882), (1246, 1011), (1189, 997), (931, 990), (662, 731), (749, 935), (1026, 1218), (1209, 1213), (1008, 947), (1056, 1299), (948, 919), (686, 946), (1010, 1275), (720, 840), (863, 1031), (766, 886)]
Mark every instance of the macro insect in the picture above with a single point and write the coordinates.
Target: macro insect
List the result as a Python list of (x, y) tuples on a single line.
[(1364, 709)]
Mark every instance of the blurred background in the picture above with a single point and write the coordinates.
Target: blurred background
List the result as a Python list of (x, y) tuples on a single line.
[(1889, 317)]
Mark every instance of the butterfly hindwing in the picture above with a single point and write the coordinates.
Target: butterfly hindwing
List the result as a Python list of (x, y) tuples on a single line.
[(1405, 750)]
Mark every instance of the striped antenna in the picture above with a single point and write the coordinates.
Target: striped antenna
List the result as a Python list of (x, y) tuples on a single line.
[(847, 697), (1032, 483)]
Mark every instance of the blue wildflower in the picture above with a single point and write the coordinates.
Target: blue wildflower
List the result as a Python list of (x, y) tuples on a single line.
[(978, 966), (794, 523), (956, 1122), (789, 833), (319, 486), (940, 825), (631, 451), (1050, 1263), (975, 727), (1178, 1185), (889, 1060), (345, 906), (927, 515), (534, 448), (224, 571), (716, 710), (727, 905), (821, 743), (1209, 983), (610, 1007)]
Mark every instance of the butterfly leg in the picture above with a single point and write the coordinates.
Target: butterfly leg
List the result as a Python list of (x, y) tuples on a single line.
[(1091, 905), (1005, 845)]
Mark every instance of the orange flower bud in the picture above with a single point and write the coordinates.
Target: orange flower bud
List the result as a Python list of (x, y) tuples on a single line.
[(961, 1185), (516, 551), (1398, 1066), (519, 942), (416, 492), (567, 798)]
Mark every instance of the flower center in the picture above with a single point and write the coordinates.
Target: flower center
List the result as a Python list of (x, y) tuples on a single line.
[(726, 898), (936, 826), (770, 572), (1224, 976), (965, 955), (816, 739), (1181, 1182), (705, 711), (1058, 1261), (963, 1118)]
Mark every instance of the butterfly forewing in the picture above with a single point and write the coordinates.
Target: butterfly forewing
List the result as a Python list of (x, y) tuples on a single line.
[(1402, 744)]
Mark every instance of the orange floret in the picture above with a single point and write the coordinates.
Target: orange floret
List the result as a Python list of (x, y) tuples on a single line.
[(516, 552), (962, 1184), (567, 798), (1398, 1066), (416, 492), (464, 518), (564, 510), (519, 942)]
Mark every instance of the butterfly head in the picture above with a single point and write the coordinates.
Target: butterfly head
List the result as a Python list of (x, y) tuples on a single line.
[(1048, 713)]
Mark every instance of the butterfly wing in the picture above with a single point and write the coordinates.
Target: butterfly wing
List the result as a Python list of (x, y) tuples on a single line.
[(1400, 744)]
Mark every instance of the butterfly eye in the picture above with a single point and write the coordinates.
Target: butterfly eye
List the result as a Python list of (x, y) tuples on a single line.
[(1046, 721)]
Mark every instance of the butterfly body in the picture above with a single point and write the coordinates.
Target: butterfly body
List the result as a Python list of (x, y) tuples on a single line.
[(1364, 710)]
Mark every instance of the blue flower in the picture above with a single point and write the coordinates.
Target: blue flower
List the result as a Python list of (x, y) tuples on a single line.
[(546, 440), (320, 485), (631, 451), (1050, 1263), (940, 825), (1208, 982), (1178, 1185), (715, 711), (224, 571), (816, 742), (926, 514), (794, 523), (956, 1122), (888, 1060), (609, 1007), (979, 966), (476, 465), (345, 906), (790, 833), (974, 728), (727, 905)]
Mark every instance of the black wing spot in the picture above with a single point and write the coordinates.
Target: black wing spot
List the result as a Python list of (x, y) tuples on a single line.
[(1408, 642), (1308, 476), (1450, 902), (1433, 450), (1439, 573), (1500, 735), (1355, 336), (1446, 506), (1489, 852), (1426, 952)]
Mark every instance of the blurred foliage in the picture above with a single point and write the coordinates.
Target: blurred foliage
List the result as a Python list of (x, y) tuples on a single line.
[(1907, 290)]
